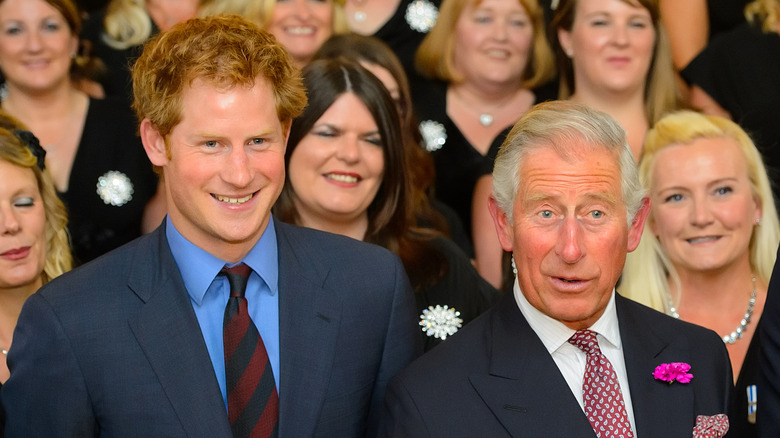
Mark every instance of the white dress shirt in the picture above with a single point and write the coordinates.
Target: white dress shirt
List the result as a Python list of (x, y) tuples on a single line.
[(571, 360)]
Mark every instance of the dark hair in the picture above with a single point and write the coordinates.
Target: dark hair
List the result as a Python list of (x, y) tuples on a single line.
[(390, 217), (420, 169)]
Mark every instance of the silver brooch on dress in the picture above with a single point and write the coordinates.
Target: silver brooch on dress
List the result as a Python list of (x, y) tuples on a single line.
[(434, 135), (421, 15), (115, 188), (440, 321)]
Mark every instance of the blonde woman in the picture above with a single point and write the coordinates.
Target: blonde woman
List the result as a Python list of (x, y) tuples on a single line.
[(711, 238), (33, 238)]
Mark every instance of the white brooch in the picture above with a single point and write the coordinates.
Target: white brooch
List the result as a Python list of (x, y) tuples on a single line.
[(434, 135), (115, 188), (440, 322), (421, 15)]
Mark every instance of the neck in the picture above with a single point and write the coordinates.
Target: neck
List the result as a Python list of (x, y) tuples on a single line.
[(725, 289), (11, 302), (486, 94), (631, 102), (355, 228), (53, 104)]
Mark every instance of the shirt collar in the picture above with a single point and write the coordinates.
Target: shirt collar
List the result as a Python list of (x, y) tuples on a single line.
[(554, 333), (199, 268)]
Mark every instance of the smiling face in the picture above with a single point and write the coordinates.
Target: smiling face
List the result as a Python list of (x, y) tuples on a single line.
[(493, 42), (611, 44), (337, 168), (36, 45), (166, 13), (225, 167), (22, 228), (569, 233), (704, 209), (301, 26)]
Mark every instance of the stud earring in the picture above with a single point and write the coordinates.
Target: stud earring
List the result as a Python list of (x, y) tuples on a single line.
[(758, 221)]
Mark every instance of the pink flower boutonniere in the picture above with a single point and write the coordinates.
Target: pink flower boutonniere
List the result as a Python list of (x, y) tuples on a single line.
[(673, 372)]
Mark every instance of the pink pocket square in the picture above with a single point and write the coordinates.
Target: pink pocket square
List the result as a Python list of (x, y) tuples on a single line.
[(714, 426)]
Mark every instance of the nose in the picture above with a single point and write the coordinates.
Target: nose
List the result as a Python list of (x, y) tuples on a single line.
[(302, 8), (620, 35), (33, 41), (500, 30), (701, 214), (238, 169), (570, 246), (9, 223), (348, 150)]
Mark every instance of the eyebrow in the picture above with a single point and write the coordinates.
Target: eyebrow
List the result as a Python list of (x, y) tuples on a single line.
[(604, 197)]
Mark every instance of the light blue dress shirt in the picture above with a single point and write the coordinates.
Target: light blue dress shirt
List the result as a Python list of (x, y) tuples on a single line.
[(209, 294)]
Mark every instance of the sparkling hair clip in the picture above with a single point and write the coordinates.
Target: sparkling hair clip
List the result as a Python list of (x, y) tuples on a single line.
[(31, 141)]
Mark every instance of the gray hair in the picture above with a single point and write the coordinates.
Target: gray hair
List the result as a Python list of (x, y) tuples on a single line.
[(556, 125)]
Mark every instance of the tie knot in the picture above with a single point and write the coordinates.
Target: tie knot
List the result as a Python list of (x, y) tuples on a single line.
[(586, 341), (237, 277)]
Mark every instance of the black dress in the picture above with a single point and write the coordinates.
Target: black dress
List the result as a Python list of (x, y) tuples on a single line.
[(739, 423), (103, 217), (741, 71), (404, 32), (461, 290)]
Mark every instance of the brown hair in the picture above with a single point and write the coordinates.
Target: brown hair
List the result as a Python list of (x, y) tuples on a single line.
[(660, 88), (224, 50), (434, 58), (390, 217)]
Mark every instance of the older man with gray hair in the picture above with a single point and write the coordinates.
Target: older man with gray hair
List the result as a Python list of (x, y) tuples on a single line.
[(564, 355)]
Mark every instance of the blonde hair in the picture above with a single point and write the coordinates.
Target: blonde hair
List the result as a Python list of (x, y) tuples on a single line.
[(127, 23), (765, 13), (435, 56), (14, 151), (648, 271), (661, 94)]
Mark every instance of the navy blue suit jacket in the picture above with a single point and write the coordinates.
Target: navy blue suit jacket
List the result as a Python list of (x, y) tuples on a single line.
[(495, 378), (114, 349)]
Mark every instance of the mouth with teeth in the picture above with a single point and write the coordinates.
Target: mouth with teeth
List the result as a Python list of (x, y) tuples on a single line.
[(300, 30), (236, 201), (704, 239), (343, 178)]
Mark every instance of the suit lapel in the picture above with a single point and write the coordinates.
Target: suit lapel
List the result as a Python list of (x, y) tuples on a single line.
[(524, 388), (168, 332), (309, 320), (660, 409)]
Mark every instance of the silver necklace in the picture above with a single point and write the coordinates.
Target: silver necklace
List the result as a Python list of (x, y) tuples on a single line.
[(737, 333)]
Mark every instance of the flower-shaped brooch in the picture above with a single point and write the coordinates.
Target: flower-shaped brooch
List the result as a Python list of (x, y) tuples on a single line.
[(440, 321), (673, 372)]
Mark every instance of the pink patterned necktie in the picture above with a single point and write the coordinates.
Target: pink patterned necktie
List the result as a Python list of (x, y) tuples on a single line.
[(601, 394)]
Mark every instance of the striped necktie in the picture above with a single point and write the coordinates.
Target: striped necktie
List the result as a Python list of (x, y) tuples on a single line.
[(253, 403)]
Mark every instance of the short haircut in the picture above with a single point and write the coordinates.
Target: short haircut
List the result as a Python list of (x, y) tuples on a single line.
[(648, 270), (14, 151), (225, 51), (556, 125), (434, 58)]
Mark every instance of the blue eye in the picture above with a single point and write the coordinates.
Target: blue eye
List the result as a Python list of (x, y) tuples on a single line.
[(210, 144), (547, 214), (724, 190), (258, 141), (597, 214), (673, 198)]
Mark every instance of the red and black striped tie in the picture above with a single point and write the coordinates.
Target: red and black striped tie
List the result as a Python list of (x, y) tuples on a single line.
[(253, 403)]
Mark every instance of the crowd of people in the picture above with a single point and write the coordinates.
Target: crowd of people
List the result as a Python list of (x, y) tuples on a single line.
[(389, 218)]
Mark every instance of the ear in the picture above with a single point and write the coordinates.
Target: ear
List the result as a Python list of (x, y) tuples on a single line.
[(564, 38), (154, 143), (759, 213), (638, 225), (503, 226), (74, 47)]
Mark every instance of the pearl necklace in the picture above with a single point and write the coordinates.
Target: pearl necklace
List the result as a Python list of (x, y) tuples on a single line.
[(737, 333)]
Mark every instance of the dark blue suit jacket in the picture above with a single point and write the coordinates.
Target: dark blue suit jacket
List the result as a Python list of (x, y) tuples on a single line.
[(114, 349), (495, 378)]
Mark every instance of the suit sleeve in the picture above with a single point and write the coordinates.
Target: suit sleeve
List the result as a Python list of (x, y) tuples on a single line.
[(768, 420), (46, 394), (402, 342), (400, 417)]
